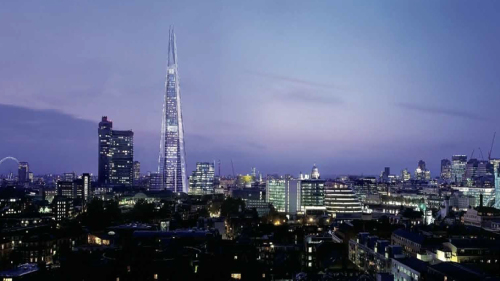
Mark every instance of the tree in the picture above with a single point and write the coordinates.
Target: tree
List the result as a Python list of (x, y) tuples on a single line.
[(232, 206)]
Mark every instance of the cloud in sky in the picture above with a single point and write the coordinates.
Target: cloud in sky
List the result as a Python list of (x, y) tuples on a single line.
[(307, 96), (434, 110), (294, 80)]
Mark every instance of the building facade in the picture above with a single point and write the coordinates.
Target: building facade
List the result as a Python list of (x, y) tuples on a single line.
[(311, 194), (445, 169), (116, 155), (339, 198), (276, 193), (137, 171), (172, 158), (458, 168), (23, 172), (202, 179)]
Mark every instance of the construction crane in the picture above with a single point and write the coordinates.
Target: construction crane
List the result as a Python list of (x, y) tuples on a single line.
[(491, 148), (480, 151), (472, 154)]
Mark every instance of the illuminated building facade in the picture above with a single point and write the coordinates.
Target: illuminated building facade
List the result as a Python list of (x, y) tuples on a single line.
[(202, 179), (311, 194), (23, 172), (116, 155), (405, 175), (172, 158), (137, 171), (122, 158), (339, 198), (446, 169), (421, 173), (458, 167), (104, 132), (277, 195)]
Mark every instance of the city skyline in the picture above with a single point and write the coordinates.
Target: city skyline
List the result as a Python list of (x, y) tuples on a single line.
[(367, 107)]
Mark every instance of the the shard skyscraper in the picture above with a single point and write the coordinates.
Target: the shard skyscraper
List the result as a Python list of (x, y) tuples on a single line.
[(172, 158)]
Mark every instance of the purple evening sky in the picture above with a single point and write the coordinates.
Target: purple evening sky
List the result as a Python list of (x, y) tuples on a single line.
[(352, 86)]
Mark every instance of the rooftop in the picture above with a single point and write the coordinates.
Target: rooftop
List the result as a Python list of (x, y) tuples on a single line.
[(414, 264), (412, 236)]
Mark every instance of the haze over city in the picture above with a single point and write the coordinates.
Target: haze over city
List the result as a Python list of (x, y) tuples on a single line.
[(352, 87)]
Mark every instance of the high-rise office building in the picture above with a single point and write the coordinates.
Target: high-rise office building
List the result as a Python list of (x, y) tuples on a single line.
[(421, 173), (66, 189), (122, 158), (339, 198), (23, 172), (384, 176), (83, 188), (69, 176), (445, 169), (201, 180), (311, 194), (154, 181), (172, 158), (277, 195), (137, 171), (405, 175), (104, 132), (116, 155), (497, 187), (458, 168)]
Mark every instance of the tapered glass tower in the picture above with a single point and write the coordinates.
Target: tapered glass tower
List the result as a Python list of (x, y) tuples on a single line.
[(172, 158)]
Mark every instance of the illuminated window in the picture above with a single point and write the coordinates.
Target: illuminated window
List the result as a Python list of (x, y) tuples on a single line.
[(236, 276), (155, 276)]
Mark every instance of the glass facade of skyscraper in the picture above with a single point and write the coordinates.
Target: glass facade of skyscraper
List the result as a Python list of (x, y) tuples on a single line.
[(339, 198), (312, 194), (172, 158), (276, 192), (122, 158), (116, 155), (458, 167), (201, 180)]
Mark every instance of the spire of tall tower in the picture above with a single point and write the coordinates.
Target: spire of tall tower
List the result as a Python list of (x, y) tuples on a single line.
[(172, 48), (172, 157)]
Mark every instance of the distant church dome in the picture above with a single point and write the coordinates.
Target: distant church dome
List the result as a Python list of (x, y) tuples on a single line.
[(315, 172)]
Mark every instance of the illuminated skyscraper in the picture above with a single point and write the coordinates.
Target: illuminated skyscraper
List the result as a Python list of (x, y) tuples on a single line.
[(339, 198), (202, 180), (116, 155), (137, 171), (277, 195), (458, 168), (312, 192), (23, 172), (172, 158), (446, 169)]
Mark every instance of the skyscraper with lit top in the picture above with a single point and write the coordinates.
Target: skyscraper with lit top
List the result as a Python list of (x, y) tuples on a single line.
[(172, 158)]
